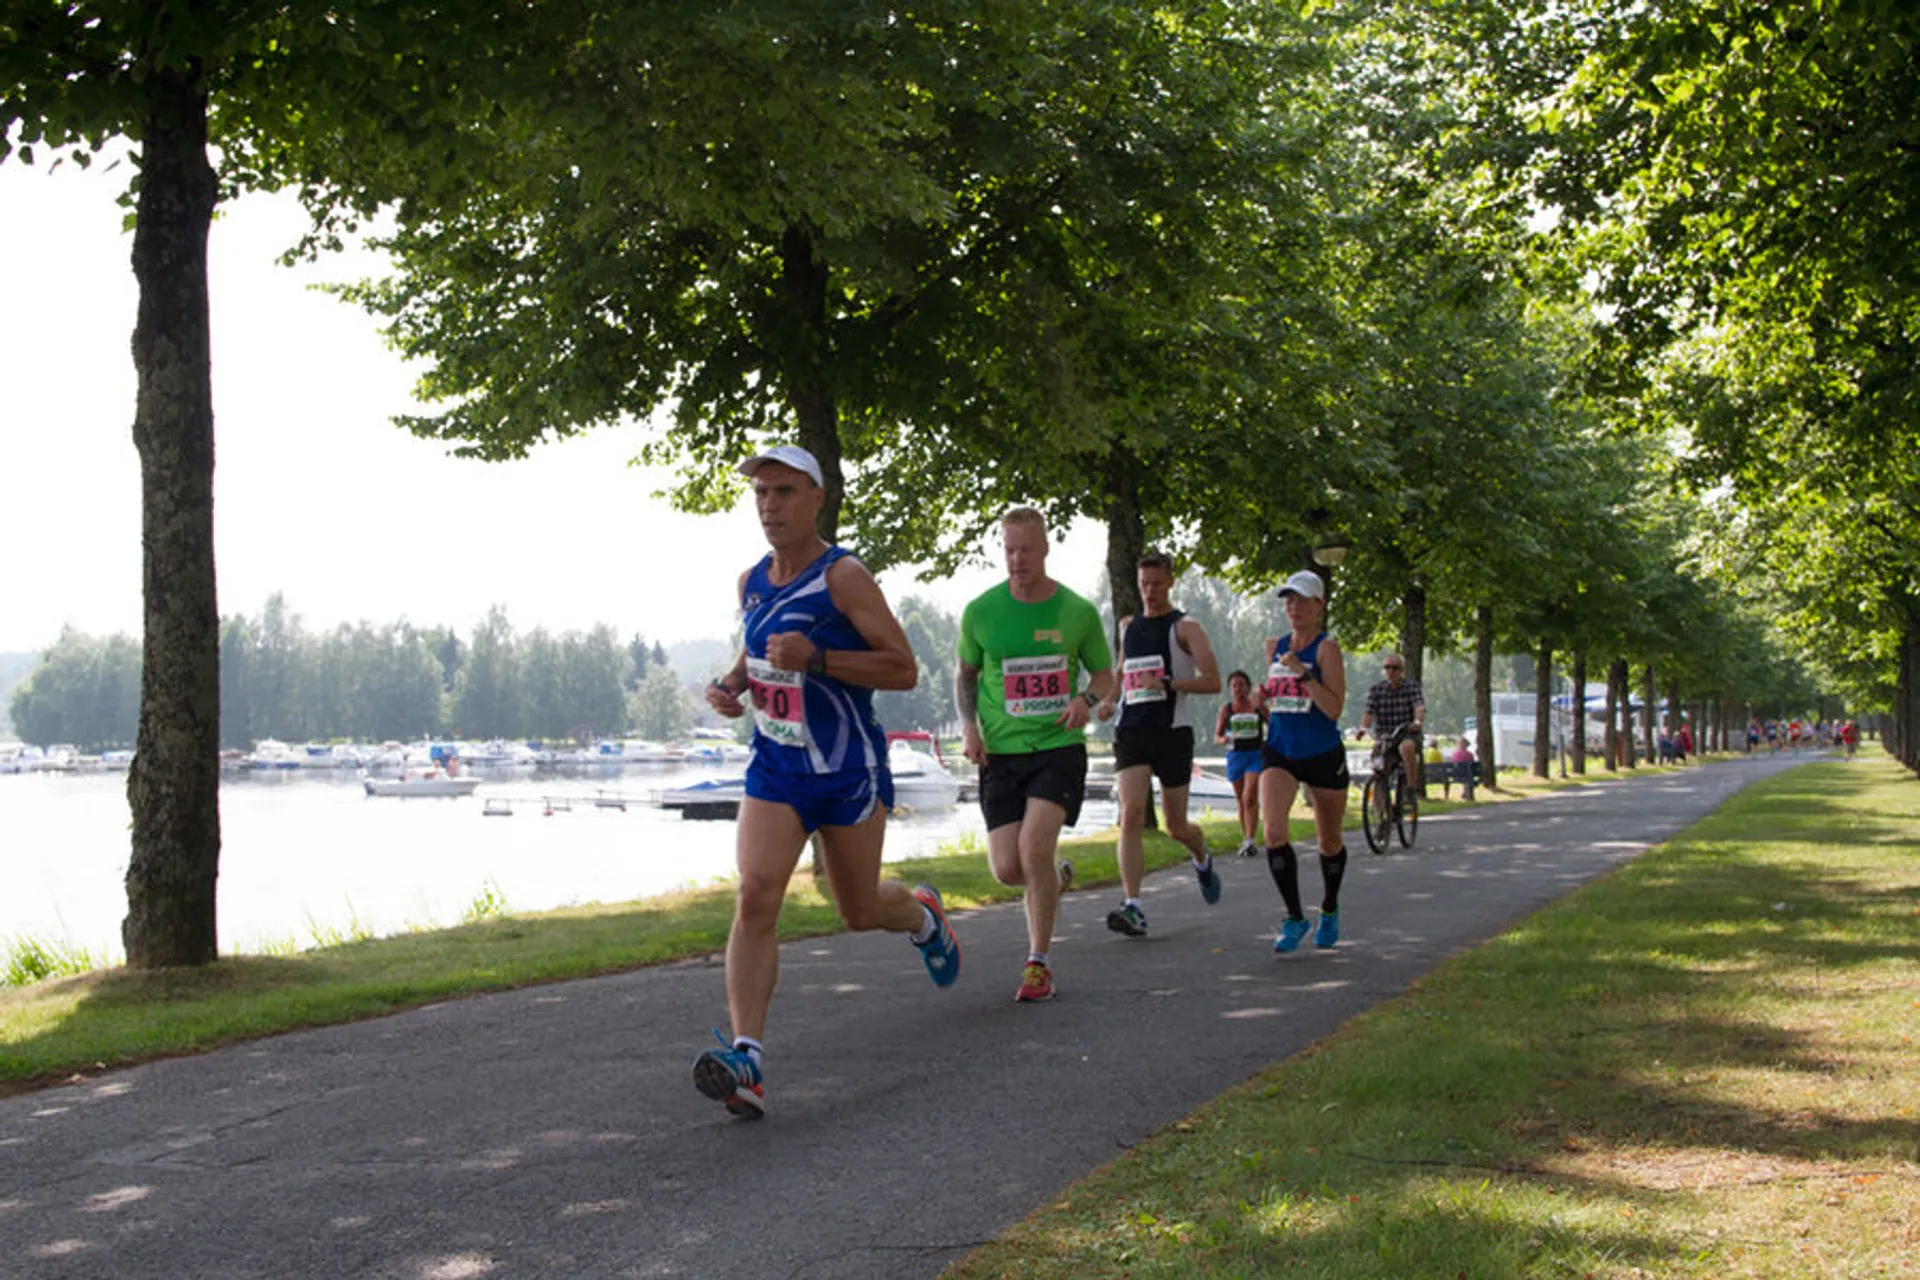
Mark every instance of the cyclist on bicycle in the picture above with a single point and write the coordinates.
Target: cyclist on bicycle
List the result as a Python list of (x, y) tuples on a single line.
[(1396, 703)]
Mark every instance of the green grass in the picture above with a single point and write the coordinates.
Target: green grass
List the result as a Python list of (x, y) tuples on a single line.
[(1703, 1065), (56, 1026)]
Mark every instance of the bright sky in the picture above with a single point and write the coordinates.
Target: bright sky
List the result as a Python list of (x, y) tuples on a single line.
[(317, 494)]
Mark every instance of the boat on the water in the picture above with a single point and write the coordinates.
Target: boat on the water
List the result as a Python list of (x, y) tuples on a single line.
[(921, 779), (432, 783)]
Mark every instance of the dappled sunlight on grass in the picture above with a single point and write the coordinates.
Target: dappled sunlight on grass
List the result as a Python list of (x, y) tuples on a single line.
[(1667, 1074)]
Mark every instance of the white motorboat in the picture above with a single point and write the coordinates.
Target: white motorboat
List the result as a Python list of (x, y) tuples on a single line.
[(431, 783), (921, 780), (271, 753), (713, 798)]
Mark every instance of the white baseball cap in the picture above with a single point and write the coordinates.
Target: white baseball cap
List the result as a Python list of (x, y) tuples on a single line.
[(787, 455), (1305, 583)]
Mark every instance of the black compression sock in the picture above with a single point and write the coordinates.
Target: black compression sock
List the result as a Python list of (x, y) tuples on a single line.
[(1333, 870), (1285, 867)]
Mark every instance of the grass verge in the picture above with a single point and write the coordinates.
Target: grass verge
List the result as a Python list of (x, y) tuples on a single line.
[(1702, 1065), (55, 1030)]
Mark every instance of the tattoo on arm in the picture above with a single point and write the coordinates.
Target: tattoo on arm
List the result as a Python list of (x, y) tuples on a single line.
[(966, 692)]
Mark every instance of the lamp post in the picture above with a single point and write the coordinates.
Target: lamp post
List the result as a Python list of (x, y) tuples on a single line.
[(1327, 553)]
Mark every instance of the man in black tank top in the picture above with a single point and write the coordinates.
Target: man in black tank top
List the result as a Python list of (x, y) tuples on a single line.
[(1165, 659)]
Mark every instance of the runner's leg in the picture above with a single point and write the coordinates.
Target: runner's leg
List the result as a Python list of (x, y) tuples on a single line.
[(853, 868), (1039, 840), (1173, 803), (767, 845), (1132, 786)]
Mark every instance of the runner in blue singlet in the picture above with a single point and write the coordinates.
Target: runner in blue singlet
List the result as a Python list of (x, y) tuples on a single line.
[(1306, 689), (818, 640)]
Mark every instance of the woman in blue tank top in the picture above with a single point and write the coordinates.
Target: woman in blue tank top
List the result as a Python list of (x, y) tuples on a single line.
[(1306, 689), (819, 639)]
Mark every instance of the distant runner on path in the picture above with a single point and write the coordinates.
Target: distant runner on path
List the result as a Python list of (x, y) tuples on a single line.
[(1165, 658), (1241, 726), (1024, 646), (819, 639), (1306, 690)]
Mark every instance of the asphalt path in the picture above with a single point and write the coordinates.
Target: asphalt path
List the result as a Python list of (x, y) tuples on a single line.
[(554, 1132)]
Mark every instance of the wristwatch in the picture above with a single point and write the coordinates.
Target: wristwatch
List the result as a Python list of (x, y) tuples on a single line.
[(817, 663), (1087, 696)]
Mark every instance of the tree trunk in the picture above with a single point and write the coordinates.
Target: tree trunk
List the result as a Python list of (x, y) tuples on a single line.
[(1613, 717), (804, 367), (1483, 695), (1543, 711), (1126, 536), (1629, 750), (1413, 628), (1579, 708), (1126, 543), (1676, 709), (173, 787), (1650, 726), (1906, 702)]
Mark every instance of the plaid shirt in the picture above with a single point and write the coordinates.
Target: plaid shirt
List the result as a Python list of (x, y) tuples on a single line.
[(1391, 707)]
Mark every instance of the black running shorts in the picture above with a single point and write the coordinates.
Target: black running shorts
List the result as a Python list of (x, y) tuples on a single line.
[(1324, 772), (1008, 782), (1168, 751)]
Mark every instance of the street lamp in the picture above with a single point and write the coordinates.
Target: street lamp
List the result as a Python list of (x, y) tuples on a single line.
[(1330, 550)]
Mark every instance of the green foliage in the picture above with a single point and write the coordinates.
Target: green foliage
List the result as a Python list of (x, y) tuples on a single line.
[(488, 904), (934, 635), (25, 960), (662, 709), (84, 691)]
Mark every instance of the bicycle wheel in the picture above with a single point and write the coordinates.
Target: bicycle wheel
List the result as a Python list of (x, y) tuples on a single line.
[(1407, 811), (1376, 815)]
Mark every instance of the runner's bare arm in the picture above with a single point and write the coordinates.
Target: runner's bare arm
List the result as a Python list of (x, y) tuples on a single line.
[(1329, 692), (726, 693), (1206, 667), (966, 701), (888, 664), (966, 693)]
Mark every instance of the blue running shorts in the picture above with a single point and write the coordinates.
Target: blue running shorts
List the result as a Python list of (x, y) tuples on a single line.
[(1242, 763), (844, 799)]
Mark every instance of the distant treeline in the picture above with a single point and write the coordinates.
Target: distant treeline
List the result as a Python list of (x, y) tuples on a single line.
[(373, 682), (369, 682)]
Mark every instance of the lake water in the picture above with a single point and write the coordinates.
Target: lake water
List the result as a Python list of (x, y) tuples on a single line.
[(303, 857)]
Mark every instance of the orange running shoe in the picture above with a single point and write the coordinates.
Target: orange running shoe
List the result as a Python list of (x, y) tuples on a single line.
[(1036, 984)]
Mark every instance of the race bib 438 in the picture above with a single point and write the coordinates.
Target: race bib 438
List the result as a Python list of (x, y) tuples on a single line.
[(1034, 686)]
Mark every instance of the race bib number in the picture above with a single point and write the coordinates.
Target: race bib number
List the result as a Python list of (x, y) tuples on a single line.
[(779, 702), (1286, 695), (1134, 680), (1034, 686), (1243, 724)]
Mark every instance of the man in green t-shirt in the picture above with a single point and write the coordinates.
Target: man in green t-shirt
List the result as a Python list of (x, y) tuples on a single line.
[(1023, 648)]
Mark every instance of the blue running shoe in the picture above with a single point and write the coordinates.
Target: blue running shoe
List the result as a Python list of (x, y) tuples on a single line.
[(1209, 882), (1292, 932), (1329, 931), (942, 950), (1128, 919), (729, 1075)]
